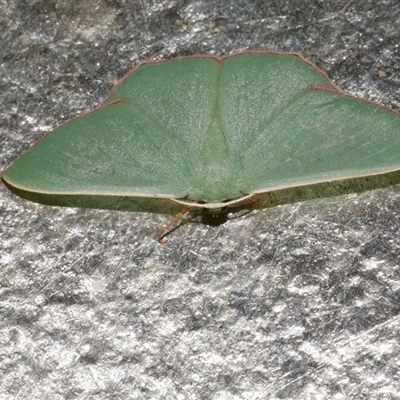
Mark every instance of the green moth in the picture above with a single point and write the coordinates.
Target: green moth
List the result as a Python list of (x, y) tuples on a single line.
[(209, 133)]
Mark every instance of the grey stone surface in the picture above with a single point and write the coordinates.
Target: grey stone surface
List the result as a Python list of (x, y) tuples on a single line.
[(299, 301)]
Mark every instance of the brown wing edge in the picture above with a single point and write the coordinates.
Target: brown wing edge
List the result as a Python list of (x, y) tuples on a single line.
[(326, 189), (106, 202), (220, 60)]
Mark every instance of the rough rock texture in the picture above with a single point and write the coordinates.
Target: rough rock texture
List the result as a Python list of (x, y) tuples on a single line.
[(299, 301)]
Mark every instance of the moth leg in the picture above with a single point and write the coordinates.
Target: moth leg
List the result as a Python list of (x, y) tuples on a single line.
[(163, 232)]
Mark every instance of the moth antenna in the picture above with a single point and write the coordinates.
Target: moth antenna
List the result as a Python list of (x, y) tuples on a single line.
[(170, 223), (247, 200), (190, 206)]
